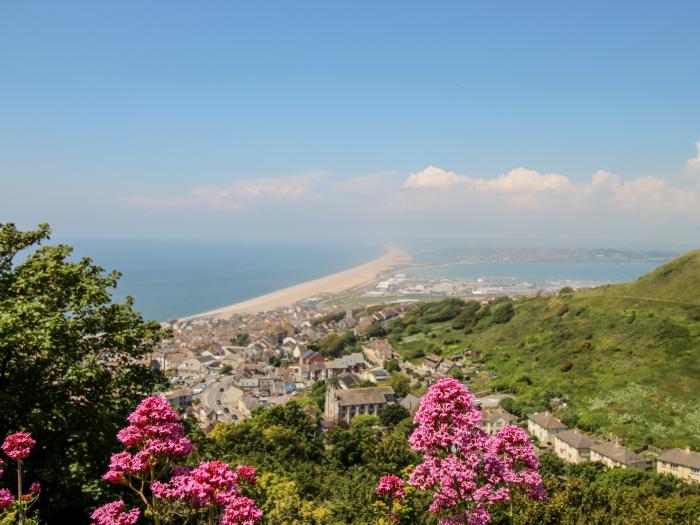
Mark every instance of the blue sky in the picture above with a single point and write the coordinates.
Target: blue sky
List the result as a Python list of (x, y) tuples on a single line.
[(225, 119)]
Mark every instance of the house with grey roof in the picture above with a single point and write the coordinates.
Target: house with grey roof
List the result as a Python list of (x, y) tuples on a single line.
[(544, 426), (681, 463), (572, 446), (494, 420), (613, 454), (343, 405)]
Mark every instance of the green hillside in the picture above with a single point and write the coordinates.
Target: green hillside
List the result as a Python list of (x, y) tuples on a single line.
[(625, 359)]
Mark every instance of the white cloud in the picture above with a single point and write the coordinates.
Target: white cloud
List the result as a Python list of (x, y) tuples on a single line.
[(236, 194), (432, 177), (528, 189), (693, 165), (518, 180)]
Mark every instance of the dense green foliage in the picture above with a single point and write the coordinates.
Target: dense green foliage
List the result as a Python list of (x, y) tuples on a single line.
[(625, 358), (309, 477), (332, 316), (70, 366), (336, 345), (241, 339)]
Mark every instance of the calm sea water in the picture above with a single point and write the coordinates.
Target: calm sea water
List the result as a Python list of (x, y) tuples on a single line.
[(541, 272), (175, 279)]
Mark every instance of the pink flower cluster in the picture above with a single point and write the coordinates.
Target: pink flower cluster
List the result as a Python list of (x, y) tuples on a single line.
[(6, 499), (18, 446), (153, 439), (113, 513), (391, 486), (462, 464), (213, 483), (154, 434), (241, 511)]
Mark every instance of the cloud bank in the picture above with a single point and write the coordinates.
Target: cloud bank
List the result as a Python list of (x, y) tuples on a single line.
[(237, 194), (434, 200)]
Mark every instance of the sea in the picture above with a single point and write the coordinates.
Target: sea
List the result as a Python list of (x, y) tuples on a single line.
[(540, 273), (171, 279)]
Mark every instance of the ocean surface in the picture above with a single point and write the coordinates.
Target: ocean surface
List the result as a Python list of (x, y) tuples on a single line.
[(540, 273), (176, 279)]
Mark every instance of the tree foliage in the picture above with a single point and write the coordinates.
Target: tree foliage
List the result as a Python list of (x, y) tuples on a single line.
[(71, 363)]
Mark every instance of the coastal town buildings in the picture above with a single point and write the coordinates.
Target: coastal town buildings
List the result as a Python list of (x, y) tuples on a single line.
[(494, 420), (681, 463), (614, 455), (343, 405), (544, 426), (572, 446)]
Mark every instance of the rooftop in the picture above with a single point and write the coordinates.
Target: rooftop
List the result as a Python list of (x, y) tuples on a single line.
[(495, 415), (547, 421), (686, 457), (365, 396), (617, 452), (575, 439)]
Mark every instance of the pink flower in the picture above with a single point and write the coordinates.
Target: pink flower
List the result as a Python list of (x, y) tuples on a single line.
[(246, 474), (113, 514), (446, 417), (241, 511), (155, 426), (154, 434), (2, 464), (391, 486), (6, 499), (465, 467), (123, 464), (17, 446), (212, 482)]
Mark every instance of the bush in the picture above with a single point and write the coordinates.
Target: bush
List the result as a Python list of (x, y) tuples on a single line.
[(503, 313)]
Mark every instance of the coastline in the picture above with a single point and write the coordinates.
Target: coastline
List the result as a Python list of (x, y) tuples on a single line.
[(330, 284)]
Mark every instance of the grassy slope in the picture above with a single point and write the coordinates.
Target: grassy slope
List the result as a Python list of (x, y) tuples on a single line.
[(625, 357)]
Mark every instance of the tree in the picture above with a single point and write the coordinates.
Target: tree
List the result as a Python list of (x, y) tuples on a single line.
[(241, 339), (503, 313), (376, 330), (71, 364), (393, 414), (401, 384), (392, 365), (457, 373), (318, 394)]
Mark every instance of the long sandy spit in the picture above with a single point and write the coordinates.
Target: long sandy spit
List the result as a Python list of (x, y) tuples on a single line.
[(331, 284)]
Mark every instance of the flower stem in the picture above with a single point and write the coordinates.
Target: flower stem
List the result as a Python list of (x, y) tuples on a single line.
[(19, 492)]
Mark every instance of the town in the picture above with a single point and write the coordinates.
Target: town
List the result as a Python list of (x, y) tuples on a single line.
[(222, 370)]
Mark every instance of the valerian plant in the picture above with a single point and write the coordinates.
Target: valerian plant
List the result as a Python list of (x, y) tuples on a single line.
[(469, 471), (17, 447), (154, 441)]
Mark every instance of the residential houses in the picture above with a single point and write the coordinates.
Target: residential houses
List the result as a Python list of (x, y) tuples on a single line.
[(572, 446), (343, 405), (613, 454), (494, 420), (544, 426), (180, 397), (681, 463)]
